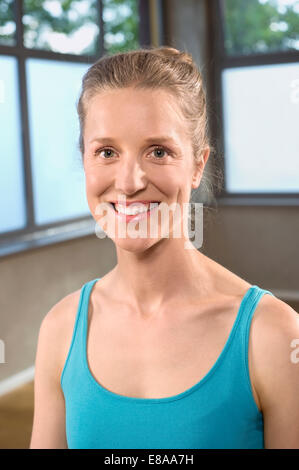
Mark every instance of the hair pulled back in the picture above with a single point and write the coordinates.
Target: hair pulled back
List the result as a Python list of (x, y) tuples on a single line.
[(152, 68)]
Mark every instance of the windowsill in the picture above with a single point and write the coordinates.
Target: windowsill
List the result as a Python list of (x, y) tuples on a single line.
[(48, 237), (87, 227), (248, 200)]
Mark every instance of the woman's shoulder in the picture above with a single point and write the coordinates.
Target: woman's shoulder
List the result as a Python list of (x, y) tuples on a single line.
[(274, 317), (63, 310), (275, 355), (58, 325), (274, 336)]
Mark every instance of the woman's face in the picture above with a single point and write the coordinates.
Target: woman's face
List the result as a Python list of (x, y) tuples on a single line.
[(126, 157)]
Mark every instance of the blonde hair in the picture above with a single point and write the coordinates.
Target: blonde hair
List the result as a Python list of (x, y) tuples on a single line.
[(152, 68)]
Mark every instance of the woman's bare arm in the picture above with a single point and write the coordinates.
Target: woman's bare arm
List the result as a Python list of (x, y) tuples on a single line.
[(275, 336), (48, 430)]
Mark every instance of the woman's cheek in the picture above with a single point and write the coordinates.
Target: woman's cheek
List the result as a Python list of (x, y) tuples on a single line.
[(94, 183)]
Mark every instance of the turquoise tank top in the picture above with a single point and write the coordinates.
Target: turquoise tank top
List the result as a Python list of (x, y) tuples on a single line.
[(218, 412)]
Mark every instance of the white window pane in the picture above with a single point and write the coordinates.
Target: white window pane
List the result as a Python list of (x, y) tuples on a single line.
[(12, 202), (261, 122), (58, 177)]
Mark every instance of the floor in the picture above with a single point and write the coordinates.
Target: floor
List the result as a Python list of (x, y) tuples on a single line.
[(16, 418)]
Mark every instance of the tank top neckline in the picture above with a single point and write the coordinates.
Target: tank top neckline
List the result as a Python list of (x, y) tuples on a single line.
[(179, 396)]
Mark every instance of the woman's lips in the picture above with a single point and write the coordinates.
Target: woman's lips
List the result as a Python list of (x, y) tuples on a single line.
[(140, 216), (133, 202)]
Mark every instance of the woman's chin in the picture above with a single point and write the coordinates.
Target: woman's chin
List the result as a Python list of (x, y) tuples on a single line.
[(135, 245)]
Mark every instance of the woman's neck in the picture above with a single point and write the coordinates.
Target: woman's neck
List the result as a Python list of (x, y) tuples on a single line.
[(148, 281)]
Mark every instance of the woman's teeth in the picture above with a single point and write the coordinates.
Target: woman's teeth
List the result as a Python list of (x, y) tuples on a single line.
[(135, 209)]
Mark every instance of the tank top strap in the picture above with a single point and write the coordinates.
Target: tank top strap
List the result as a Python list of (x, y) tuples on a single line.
[(240, 348), (248, 308), (85, 295), (77, 347), (83, 315)]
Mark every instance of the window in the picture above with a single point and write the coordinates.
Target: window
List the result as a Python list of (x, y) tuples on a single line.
[(256, 91), (58, 184), (46, 46), (12, 203)]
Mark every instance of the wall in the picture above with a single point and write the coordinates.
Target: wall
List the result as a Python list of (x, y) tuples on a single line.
[(33, 281)]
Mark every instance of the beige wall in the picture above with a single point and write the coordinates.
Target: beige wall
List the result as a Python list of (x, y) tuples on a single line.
[(260, 245), (33, 281)]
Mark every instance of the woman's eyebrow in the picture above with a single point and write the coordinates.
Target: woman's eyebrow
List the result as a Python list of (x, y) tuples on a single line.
[(110, 140)]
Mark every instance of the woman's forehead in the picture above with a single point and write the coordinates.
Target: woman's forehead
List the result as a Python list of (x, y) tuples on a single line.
[(135, 93), (132, 98), (156, 110)]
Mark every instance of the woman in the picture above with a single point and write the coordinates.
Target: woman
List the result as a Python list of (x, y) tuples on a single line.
[(157, 353)]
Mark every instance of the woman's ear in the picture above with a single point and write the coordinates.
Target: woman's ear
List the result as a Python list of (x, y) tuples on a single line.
[(199, 168)]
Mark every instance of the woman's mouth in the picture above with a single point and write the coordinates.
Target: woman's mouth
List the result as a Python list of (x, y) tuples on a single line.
[(136, 212)]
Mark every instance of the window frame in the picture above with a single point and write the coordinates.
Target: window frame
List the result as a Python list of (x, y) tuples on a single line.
[(219, 61), (33, 235)]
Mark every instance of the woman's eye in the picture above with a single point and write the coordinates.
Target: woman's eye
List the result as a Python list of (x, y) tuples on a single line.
[(159, 150), (97, 152), (159, 153)]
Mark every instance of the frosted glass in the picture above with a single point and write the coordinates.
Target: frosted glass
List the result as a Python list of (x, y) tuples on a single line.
[(58, 177), (261, 122), (12, 203)]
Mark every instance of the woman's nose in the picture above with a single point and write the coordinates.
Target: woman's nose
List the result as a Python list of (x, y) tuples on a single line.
[(130, 176)]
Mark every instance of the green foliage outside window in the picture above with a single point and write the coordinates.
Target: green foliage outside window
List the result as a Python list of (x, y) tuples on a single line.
[(254, 26), (66, 17)]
